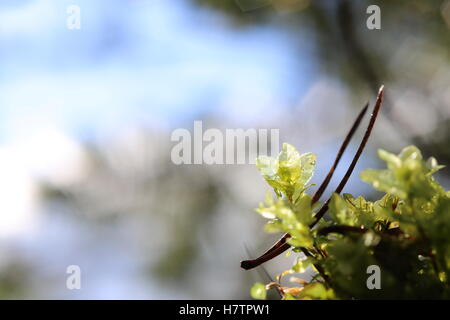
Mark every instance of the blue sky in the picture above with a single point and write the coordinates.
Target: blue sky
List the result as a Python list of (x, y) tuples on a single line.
[(155, 62)]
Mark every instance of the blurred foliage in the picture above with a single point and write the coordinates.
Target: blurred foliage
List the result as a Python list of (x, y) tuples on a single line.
[(169, 209), (338, 29), (14, 278), (149, 196), (406, 233), (408, 53)]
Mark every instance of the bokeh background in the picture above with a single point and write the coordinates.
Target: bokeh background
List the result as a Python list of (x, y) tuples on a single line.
[(86, 117)]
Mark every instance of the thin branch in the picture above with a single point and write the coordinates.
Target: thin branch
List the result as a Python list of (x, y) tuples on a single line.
[(362, 145), (344, 145), (277, 249), (264, 272)]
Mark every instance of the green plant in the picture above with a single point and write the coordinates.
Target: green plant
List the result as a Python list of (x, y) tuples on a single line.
[(406, 233)]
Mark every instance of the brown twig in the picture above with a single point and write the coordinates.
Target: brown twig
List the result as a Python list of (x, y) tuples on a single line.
[(344, 145), (361, 147), (264, 272)]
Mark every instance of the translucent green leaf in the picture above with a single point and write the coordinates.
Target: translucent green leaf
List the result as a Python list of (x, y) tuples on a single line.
[(258, 291), (289, 172), (289, 164), (303, 209), (410, 153), (433, 165), (341, 212), (301, 265), (273, 227), (316, 290), (384, 180), (308, 164), (300, 236), (392, 160), (268, 167)]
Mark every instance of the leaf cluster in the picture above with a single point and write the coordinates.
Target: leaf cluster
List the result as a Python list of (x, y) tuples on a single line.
[(406, 233)]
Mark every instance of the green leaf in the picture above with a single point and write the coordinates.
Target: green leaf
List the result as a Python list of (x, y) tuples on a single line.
[(385, 180), (410, 153), (268, 167), (301, 265), (316, 290), (301, 240), (433, 166), (341, 212), (308, 164), (392, 160), (303, 209), (289, 173), (407, 176), (258, 291)]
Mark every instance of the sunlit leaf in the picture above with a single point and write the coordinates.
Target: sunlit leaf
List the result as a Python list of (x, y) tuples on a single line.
[(258, 291)]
